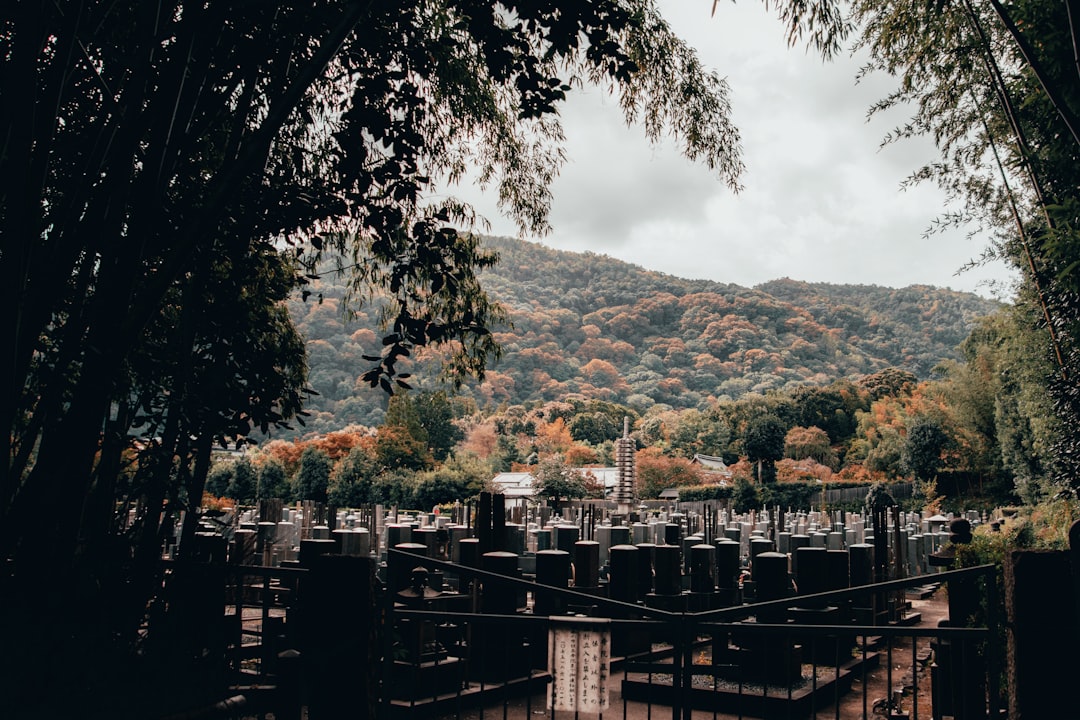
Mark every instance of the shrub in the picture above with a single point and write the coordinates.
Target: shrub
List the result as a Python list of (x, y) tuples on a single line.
[(705, 492)]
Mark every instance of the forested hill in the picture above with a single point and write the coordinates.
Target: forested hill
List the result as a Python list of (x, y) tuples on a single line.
[(595, 327)]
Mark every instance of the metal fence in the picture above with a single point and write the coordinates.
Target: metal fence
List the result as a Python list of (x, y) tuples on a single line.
[(752, 660), (471, 643)]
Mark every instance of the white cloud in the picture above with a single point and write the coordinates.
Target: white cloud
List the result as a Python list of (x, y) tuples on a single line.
[(822, 202)]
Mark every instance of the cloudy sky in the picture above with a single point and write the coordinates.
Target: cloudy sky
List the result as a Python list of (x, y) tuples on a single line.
[(821, 201)]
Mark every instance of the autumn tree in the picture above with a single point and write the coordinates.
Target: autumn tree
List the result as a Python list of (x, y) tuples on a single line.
[(481, 439), (657, 472), (806, 470), (581, 455), (553, 437), (338, 444), (812, 443), (890, 382), (397, 449), (285, 452)]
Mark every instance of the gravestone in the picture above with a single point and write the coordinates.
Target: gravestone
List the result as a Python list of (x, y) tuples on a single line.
[(499, 652), (756, 657), (645, 559), (587, 564)]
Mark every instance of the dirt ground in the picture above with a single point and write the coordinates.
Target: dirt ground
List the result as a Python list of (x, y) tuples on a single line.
[(876, 686)]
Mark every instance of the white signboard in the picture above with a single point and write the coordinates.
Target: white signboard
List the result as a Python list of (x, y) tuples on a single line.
[(579, 660)]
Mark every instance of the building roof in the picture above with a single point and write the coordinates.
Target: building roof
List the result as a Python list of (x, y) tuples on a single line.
[(520, 484), (712, 464), (514, 484)]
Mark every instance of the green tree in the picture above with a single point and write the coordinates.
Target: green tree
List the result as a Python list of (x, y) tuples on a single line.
[(995, 85), (922, 449), (313, 475), (395, 487), (1024, 421), (244, 481), (813, 443), (831, 408), (745, 497), (353, 479), (693, 432), (764, 445), (885, 453), (217, 481), (506, 454), (273, 481), (556, 481), (594, 428), (459, 479), (435, 415), (651, 430)]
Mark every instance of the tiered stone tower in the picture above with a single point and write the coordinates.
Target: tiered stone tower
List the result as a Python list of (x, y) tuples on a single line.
[(624, 463)]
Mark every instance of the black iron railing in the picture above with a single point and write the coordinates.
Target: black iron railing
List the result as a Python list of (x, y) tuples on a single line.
[(479, 649), (684, 664)]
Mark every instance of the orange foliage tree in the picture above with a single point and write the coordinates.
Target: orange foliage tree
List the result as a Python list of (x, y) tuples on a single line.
[(481, 440), (285, 452), (553, 437), (790, 470), (657, 472), (580, 455), (337, 445)]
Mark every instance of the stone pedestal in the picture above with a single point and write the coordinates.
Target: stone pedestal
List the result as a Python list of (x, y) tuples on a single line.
[(498, 655), (772, 658)]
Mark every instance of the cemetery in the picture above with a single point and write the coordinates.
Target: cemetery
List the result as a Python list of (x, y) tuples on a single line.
[(774, 613)]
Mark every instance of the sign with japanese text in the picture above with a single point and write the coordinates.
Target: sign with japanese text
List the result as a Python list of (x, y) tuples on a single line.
[(579, 660)]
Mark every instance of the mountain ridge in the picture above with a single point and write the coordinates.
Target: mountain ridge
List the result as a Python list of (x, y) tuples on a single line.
[(588, 325)]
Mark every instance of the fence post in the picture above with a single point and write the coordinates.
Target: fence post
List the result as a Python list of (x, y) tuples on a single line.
[(1041, 621), (338, 616), (1074, 567), (684, 655), (288, 700)]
